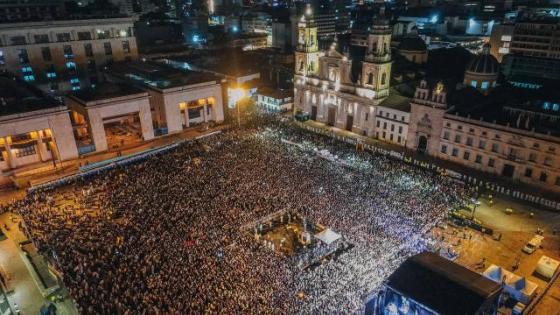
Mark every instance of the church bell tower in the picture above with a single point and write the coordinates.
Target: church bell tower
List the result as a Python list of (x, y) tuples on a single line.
[(307, 51), (376, 68)]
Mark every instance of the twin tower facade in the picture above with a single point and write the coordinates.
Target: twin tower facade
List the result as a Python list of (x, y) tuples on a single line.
[(325, 86)]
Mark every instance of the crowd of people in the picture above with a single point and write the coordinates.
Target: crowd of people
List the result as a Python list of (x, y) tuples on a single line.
[(163, 236)]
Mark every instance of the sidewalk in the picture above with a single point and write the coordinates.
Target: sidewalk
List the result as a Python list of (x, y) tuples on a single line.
[(26, 290)]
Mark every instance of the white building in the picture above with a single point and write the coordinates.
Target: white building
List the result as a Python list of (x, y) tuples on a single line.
[(324, 85), (33, 128), (518, 150), (65, 55), (275, 100), (108, 113), (178, 98)]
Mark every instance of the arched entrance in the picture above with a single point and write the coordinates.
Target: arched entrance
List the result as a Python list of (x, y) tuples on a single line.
[(422, 144)]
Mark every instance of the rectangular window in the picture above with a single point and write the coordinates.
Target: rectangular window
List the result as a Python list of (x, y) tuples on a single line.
[(392, 127), (103, 34), (455, 152), (466, 155), (391, 137), (41, 39), (457, 138), (25, 151), (384, 135), (194, 113), (63, 37), (88, 49), (557, 183), (126, 46), (543, 177), (469, 141), (68, 54), (446, 135), (384, 125), (399, 139), (18, 40), (22, 54), (528, 172), (400, 129), (46, 53), (478, 159), (482, 144), (84, 36), (444, 149), (532, 157), (491, 162), (495, 147), (378, 124), (108, 49), (367, 116)]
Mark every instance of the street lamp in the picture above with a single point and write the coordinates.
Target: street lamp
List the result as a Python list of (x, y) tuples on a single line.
[(476, 203), (237, 95)]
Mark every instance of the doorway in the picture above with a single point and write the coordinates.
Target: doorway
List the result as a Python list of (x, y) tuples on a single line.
[(313, 112), (508, 170), (422, 144), (331, 116), (349, 122)]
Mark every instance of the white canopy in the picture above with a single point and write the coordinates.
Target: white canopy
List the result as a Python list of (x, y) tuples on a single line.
[(547, 266), (520, 288), (328, 236)]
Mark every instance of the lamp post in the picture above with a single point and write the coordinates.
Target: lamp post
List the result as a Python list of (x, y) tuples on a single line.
[(476, 203), (237, 95)]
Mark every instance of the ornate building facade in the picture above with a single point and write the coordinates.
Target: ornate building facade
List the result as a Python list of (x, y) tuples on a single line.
[(513, 145), (324, 86)]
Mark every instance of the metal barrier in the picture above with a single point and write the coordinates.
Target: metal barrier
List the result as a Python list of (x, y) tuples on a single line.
[(112, 163), (510, 192)]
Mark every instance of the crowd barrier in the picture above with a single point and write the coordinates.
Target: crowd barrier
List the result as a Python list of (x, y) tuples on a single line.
[(467, 179), (96, 168)]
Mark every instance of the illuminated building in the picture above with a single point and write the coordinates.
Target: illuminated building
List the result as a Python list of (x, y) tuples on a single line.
[(65, 55), (482, 72), (33, 128), (325, 86), (178, 98), (509, 133)]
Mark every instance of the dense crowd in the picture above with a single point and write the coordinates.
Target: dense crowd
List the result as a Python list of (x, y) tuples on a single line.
[(163, 236)]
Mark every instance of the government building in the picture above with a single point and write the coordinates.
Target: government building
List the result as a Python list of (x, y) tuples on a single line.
[(504, 130)]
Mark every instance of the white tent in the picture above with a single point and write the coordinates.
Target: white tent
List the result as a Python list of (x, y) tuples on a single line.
[(520, 288), (547, 266), (328, 236)]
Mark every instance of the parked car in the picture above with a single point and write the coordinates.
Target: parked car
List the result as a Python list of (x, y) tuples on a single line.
[(533, 244)]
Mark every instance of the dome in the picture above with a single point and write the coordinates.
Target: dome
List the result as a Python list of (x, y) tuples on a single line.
[(412, 43), (484, 63)]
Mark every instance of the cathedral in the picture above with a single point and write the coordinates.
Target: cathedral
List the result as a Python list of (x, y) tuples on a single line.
[(325, 87)]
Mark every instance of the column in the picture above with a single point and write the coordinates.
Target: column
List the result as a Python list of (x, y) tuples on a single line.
[(204, 113), (187, 123), (11, 158), (42, 149)]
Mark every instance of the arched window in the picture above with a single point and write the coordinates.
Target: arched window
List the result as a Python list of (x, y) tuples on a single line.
[(370, 78), (383, 78), (301, 66)]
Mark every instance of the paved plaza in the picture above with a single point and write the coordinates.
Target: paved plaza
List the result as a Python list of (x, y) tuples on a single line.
[(75, 204)]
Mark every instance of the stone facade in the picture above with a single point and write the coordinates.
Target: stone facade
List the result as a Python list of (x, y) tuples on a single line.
[(324, 86), (36, 136), (514, 153)]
